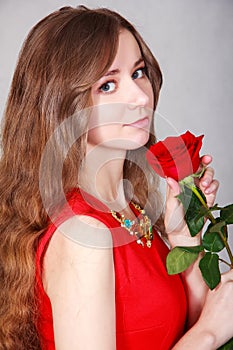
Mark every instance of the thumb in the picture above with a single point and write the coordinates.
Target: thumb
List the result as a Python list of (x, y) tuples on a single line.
[(174, 214), (173, 188)]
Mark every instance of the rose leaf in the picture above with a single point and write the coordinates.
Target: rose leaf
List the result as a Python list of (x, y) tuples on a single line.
[(180, 258), (211, 240), (226, 214), (210, 269), (194, 210), (215, 207)]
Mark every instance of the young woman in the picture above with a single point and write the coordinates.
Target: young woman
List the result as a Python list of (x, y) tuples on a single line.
[(77, 270)]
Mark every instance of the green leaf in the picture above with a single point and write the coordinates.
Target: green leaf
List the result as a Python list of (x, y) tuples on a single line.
[(194, 224), (194, 210), (227, 214), (192, 249), (210, 269), (215, 207), (211, 240), (227, 346), (180, 258), (205, 211)]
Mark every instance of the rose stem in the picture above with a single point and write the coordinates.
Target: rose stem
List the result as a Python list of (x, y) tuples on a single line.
[(225, 262), (212, 219)]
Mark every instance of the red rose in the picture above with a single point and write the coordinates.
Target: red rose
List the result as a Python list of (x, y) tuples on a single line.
[(176, 157)]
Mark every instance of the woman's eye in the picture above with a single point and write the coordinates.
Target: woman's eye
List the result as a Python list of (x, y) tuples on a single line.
[(139, 73), (110, 86)]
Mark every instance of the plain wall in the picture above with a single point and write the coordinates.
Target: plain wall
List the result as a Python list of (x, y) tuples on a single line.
[(193, 42)]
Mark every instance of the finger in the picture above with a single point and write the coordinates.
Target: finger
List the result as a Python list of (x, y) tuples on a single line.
[(212, 188), (207, 177), (210, 192), (174, 211), (173, 188), (209, 186), (227, 276), (206, 160)]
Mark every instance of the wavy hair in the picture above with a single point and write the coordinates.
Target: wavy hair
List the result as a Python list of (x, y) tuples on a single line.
[(62, 57)]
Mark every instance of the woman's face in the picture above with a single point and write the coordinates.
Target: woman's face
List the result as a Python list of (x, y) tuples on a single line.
[(122, 100)]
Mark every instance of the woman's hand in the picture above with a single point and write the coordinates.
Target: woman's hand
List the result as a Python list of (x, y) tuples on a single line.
[(215, 324), (175, 224), (217, 314)]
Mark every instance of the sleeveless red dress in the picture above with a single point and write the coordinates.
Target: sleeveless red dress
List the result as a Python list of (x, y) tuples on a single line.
[(151, 306)]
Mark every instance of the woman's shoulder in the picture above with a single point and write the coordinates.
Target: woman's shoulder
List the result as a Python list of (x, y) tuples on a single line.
[(79, 234), (75, 237), (78, 271), (76, 219), (83, 231), (77, 243), (77, 229)]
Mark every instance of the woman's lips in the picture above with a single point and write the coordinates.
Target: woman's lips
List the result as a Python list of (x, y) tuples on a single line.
[(141, 123)]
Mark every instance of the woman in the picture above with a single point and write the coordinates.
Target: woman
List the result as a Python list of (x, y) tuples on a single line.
[(78, 121)]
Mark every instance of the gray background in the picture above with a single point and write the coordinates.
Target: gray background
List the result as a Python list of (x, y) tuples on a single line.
[(193, 42)]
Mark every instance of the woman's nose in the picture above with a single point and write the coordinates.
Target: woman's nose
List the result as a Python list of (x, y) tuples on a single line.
[(137, 96)]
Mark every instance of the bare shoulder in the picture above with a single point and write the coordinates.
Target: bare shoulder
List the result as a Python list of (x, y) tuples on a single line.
[(80, 282), (80, 242), (86, 231)]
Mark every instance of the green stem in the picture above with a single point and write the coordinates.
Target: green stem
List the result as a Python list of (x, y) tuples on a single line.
[(196, 192), (213, 221), (225, 262), (227, 248)]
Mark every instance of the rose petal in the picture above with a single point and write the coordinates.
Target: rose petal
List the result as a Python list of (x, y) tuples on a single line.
[(176, 157)]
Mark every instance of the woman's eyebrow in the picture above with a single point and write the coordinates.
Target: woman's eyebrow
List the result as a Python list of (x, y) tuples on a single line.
[(117, 71), (140, 60)]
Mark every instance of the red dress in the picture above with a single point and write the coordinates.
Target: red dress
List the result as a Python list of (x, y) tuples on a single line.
[(151, 306)]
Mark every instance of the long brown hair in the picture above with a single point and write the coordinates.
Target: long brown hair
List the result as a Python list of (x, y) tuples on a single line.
[(62, 57)]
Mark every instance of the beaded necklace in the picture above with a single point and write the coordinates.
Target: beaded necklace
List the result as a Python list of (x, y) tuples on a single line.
[(141, 229)]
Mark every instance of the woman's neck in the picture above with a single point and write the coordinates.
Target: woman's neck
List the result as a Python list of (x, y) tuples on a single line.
[(102, 176)]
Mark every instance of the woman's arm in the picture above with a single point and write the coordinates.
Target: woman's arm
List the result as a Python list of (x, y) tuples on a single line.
[(79, 280)]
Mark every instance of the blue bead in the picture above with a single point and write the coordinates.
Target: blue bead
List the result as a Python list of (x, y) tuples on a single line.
[(127, 223)]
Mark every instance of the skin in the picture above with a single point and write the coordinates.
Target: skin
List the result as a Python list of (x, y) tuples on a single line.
[(112, 128), (122, 97), (79, 279)]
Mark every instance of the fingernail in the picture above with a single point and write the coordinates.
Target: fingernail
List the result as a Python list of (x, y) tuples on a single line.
[(205, 183), (169, 183)]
